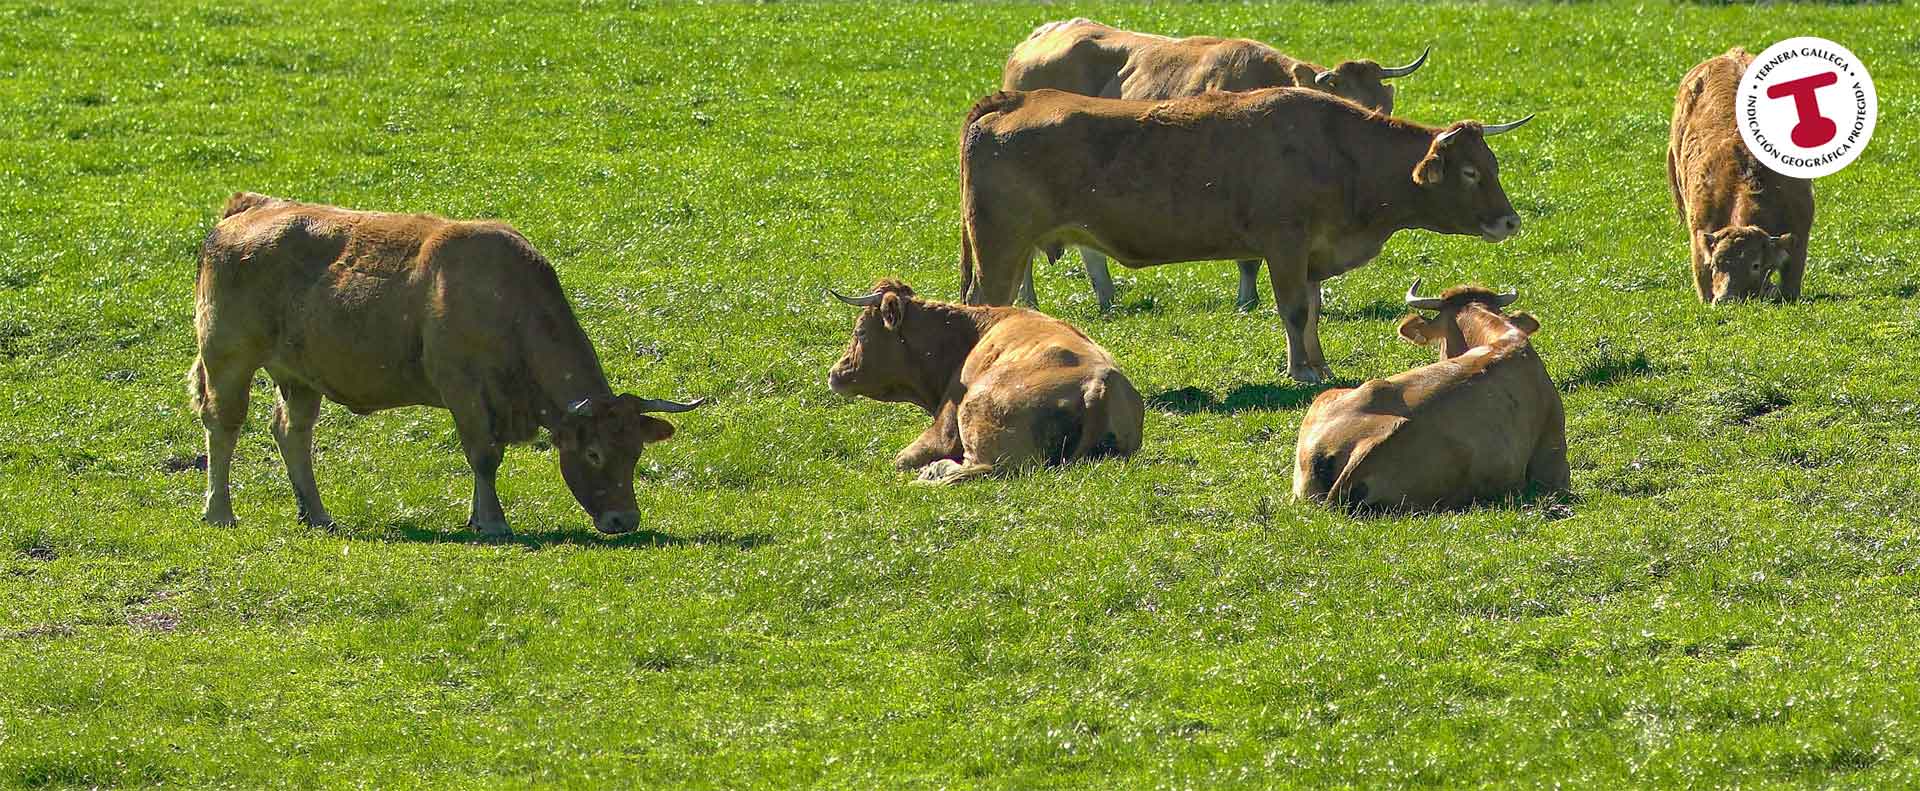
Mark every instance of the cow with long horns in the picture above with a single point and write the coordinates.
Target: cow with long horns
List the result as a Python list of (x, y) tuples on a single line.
[(1312, 184), (1007, 387), (1482, 422), (1085, 57), (375, 311), (1744, 222)]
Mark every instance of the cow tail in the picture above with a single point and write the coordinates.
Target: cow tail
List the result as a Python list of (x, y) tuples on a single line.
[(197, 386), (966, 257)]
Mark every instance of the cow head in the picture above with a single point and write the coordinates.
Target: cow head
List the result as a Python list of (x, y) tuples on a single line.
[(1469, 316), (1462, 179), (879, 362), (1743, 260), (599, 440), (1362, 82)]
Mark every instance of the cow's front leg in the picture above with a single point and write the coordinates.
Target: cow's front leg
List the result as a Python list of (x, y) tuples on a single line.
[(1795, 270), (940, 441), (1295, 298), (484, 454)]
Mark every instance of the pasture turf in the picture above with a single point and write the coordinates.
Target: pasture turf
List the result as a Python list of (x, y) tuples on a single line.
[(1730, 596)]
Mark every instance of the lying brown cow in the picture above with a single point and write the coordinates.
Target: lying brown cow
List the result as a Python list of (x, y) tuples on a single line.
[(1482, 422), (376, 311), (1006, 387), (1744, 221), (1313, 184), (1085, 57)]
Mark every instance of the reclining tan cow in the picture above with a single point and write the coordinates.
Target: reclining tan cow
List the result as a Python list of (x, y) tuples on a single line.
[(1085, 57), (1312, 184), (1483, 422), (1007, 387), (376, 311), (1744, 221)]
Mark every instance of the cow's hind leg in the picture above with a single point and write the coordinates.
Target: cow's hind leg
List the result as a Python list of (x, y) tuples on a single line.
[(1296, 298), (218, 387), (293, 419), (1027, 297), (947, 471), (1249, 296)]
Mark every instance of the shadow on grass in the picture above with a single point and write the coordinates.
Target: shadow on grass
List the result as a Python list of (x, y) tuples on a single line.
[(1377, 310), (586, 538), (1194, 400)]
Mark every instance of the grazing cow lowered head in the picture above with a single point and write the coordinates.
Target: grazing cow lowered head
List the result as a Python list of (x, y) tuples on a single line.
[(1088, 58), (1153, 183), (1007, 387), (374, 311), (1482, 422), (1745, 222)]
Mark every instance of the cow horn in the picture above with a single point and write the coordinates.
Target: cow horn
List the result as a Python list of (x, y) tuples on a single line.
[(1402, 71), (581, 408), (663, 405), (1490, 131), (1417, 302), (1503, 300), (1443, 137), (867, 301), (1323, 79)]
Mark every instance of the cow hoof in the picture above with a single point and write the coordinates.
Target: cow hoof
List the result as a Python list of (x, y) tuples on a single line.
[(1306, 375), (219, 520), (933, 473), (492, 530)]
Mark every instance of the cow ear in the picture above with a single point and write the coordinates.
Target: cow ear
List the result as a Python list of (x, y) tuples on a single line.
[(892, 310), (1525, 322), (1416, 331), (1430, 171), (653, 429), (1709, 240), (1303, 75)]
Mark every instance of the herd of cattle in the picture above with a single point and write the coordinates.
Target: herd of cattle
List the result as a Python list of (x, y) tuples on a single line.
[(1131, 146)]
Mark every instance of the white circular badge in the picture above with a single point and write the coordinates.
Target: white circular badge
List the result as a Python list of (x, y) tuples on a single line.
[(1806, 107)]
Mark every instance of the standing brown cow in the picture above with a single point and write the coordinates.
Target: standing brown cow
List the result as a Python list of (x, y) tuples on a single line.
[(1312, 184), (376, 311), (1482, 422), (1085, 57), (1006, 386), (1744, 221)]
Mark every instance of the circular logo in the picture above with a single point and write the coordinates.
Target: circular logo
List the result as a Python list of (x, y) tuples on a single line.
[(1806, 107)]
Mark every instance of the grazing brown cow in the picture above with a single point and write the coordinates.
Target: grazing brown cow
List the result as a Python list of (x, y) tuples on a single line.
[(1744, 221), (1313, 184), (1006, 387), (1482, 422), (1085, 57), (377, 311)]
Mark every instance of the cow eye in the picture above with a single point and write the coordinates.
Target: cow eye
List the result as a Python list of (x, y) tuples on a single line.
[(1470, 173), (594, 456)]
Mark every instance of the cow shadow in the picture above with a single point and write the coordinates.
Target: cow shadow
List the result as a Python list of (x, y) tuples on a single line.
[(1245, 398), (583, 538)]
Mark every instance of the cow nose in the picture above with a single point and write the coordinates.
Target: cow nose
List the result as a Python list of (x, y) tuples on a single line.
[(1501, 228), (614, 523), (837, 381)]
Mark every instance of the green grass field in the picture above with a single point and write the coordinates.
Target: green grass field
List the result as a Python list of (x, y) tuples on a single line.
[(1731, 597)]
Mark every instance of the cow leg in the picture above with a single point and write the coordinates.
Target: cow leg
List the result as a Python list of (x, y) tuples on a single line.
[(1001, 256), (1096, 263), (947, 471), (1794, 270), (293, 418), (1249, 297), (1027, 297), (1703, 270), (219, 390), (940, 441), (484, 454), (1293, 299)]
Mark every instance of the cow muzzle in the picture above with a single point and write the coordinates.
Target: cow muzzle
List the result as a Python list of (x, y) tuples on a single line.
[(1499, 229), (614, 523)]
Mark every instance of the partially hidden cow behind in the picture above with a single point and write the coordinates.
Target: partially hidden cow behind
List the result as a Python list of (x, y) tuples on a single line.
[(1085, 57), (1744, 221), (1007, 387), (1483, 422), (1310, 183), (376, 311)]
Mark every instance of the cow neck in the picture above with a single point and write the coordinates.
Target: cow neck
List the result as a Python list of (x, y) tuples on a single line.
[(563, 366), (1385, 197), (1475, 325), (944, 336)]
